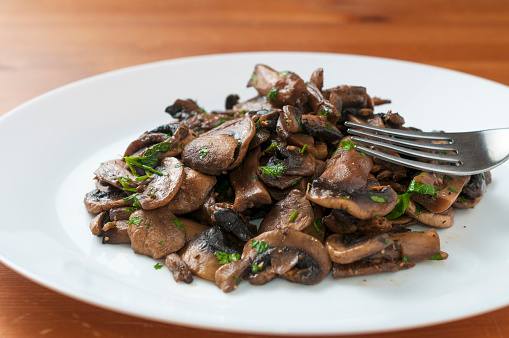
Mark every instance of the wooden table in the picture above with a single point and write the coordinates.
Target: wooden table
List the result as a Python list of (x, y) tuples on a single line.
[(47, 43)]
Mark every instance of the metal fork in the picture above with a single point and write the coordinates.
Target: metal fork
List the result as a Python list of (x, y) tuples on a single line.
[(456, 153)]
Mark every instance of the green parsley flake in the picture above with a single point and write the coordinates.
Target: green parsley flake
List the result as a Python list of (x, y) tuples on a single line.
[(424, 189), (272, 170), (405, 258), (178, 223), (260, 246), (317, 223), (447, 177), (158, 266), (203, 151), (272, 94), (452, 189), (293, 216), (135, 220), (437, 257), (347, 145), (224, 257), (125, 182), (160, 242), (418, 209), (284, 72), (272, 146), (328, 126), (325, 111), (178, 165), (236, 278), (401, 206), (257, 268), (303, 149), (379, 199)]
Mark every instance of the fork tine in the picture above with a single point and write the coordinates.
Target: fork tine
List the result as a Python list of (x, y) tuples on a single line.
[(403, 142), (401, 133), (439, 168), (410, 152)]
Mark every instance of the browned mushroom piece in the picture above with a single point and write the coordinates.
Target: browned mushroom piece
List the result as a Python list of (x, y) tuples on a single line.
[(241, 129), (210, 154), (353, 98), (320, 105), (278, 88), (447, 190), (167, 135), (250, 192), (321, 129), (473, 192), (179, 269), (344, 249), (96, 201), (393, 120), (231, 221), (155, 233), (444, 219), (292, 255), (193, 229), (340, 222), (416, 246), (116, 232), (183, 109), (203, 123), (362, 268), (96, 224), (162, 188), (119, 214), (192, 193), (254, 104), (111, 171), (344, 185), (200, 253), (317, 78), (294, 213)]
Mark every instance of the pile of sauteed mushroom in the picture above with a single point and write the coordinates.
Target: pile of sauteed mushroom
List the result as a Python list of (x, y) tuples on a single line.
[(189, 192)]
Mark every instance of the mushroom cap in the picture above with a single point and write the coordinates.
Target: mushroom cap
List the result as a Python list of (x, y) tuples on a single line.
[(210, 154), (192, 193), (343, 253), (162, 188)]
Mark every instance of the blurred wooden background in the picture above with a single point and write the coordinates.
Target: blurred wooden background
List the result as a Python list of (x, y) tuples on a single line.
[(48, 43)]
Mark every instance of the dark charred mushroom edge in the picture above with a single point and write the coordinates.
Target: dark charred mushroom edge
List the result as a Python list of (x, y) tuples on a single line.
[(185, 193)]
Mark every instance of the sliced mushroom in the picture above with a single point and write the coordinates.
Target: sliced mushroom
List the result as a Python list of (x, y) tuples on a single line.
[(312, 266), (294, 212), (472, 193), (319, 127), (317, 78), (320, 105), (241, 129), (116, 232), (249, 190), (362, 268), (192, 193), (183, 109), (443, 219), (96, 224), (200, 253), (110, 171), (447, 190), (210, 154), (279, 89), (418, 245), (340, 222), (193, 229), (97, 201), (232, 221), (344, 185), (119, 214), (343, 251), (179, 269), (154, 233), (162, 188)]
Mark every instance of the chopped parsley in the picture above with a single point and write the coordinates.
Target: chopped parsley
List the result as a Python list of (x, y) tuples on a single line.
[(404, 199), (452, 189), (178, 223), (178, 165), (401, 206), (257, 268), (379, 199), (272, 94), (125, 182), (236, 278), (284, 72), (160, 242), (224, 257), (447, 177), (347, 145), (405, 258), (425, 189), (158, 266), (144, 162), (328, 126), (243, 112), (203, 151), (135, 220), (303, 149), (437, 257), (317, 223), (221, 121), (418, 209), (294, 215), (136, 204), (483, 176), (325, 111), (272, 170), (260, 246)]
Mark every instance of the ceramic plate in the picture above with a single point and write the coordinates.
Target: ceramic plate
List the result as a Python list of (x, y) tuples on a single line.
[(52, 144)]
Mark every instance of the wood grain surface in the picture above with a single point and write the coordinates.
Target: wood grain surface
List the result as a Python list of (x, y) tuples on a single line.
[(48, 43)]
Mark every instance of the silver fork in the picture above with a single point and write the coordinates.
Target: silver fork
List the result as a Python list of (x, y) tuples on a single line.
[(456, 153)]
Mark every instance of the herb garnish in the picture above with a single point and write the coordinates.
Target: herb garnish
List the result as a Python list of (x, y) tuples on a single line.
[(158, 266), (136, 204), (178, 223), (405, 258), (379, 199), (317, 223), (347, 145), (224, 257), (404, 199), (452, 189), (325, 111), (272, 170), (125, 182), (293, 216), (437, 257), (303, 149), (272, 146), (203, 151), (272, 94), (135, 220), (260, 246), (257, 268)]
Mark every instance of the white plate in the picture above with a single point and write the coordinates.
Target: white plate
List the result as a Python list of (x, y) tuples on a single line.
[(52, 144)]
